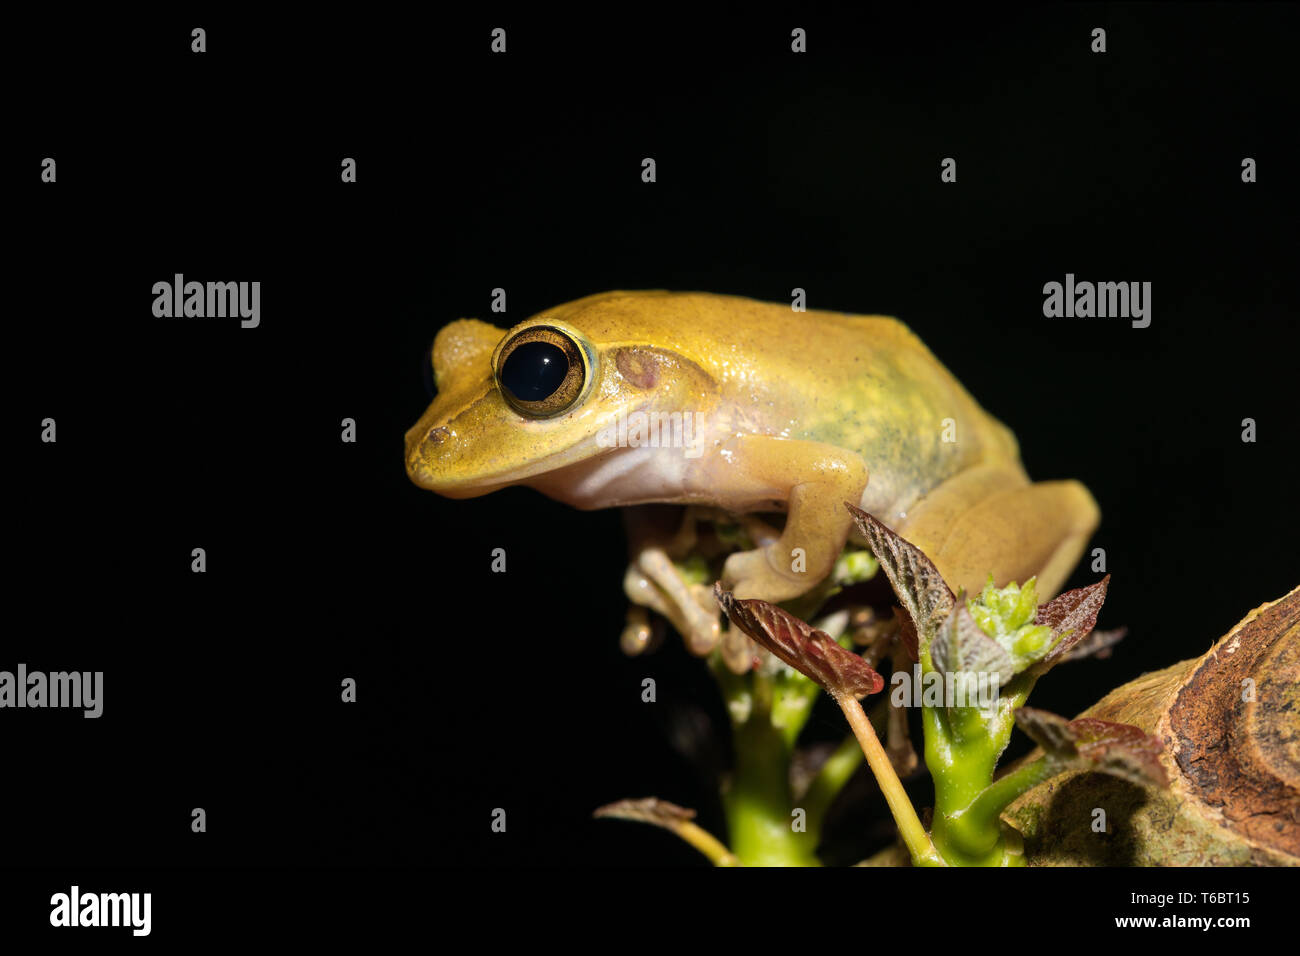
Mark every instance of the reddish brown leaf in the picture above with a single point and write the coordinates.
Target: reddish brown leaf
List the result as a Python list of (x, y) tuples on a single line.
[(907, 634), (916, 581), (1120, 750), (1097, 644), (1074, 611), (1048, 730), (813, 653)]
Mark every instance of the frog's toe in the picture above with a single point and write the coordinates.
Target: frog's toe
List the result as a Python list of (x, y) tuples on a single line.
[(751, 575)]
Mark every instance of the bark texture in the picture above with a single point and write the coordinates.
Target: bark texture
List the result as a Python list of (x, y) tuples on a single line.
[(1230, 724)]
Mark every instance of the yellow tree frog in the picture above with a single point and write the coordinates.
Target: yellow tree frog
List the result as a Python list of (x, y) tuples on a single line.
[(627, 398)]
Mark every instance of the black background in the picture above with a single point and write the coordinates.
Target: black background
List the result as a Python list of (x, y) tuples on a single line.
[(522, 171)]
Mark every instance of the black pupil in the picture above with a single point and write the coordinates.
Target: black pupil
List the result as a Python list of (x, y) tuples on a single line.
[(534, 370)]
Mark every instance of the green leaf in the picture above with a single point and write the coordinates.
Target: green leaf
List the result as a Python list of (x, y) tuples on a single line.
[(1006, 615), (854, 566)]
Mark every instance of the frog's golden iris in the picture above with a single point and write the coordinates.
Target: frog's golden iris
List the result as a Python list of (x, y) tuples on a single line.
[(541, 371)]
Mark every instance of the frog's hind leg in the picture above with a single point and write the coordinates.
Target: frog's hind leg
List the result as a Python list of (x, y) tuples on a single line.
[(991, 519)]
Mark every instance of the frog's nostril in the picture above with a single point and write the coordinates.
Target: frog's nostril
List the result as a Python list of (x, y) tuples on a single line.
[(428, 449), (422, 454)]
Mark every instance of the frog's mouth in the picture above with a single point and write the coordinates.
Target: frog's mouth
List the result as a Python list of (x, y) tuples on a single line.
[(468, 463), (612, 478), (466, 457)]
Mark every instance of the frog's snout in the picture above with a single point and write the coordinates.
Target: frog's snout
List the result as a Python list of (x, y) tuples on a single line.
[(422, 449)]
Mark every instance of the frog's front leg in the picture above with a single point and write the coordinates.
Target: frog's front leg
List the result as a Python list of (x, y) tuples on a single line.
[(813, 479)]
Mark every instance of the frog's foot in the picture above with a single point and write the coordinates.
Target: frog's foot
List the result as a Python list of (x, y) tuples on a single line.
[(757, 574), (738, 650), (991, 520), (638, 635), (813, 479), (653, 581)]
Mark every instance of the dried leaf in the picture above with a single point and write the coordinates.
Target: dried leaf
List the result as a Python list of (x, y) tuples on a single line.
[(661, 813), (811, 652), (675, 819), (902, 755), (1120, 750), (916, 582), (1097, 644), (1046, 729), (1074, 612), (907, 634)]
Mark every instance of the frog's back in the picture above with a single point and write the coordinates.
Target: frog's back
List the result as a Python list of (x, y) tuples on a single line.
[(862, 382), (884, 394)]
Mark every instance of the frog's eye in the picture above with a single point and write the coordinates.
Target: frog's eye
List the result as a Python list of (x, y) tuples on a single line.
[(541, 371)]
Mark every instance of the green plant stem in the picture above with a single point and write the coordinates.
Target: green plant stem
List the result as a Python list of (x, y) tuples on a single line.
[(763, 686), (706, 843), (758, 803), (767, 714), (792, 705), (982, 816), (830, 780), (962, 766)]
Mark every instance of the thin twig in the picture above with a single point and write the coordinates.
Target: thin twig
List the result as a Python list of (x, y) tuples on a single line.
[(900, 805)]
